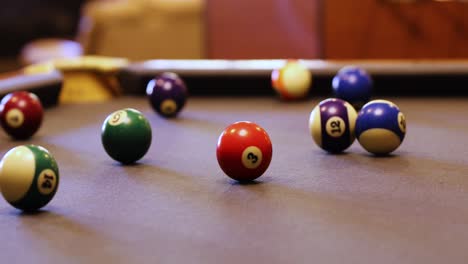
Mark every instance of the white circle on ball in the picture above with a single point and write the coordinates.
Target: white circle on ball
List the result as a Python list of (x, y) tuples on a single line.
[(168, 106), (46, 182), (335, 126), (117, 118), (15, 118), (252, 157), (402, 122)]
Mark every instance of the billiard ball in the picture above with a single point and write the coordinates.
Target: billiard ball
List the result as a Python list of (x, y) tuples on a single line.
[(380, 127), (126, 135), (331, 124), (244, 151), (29, 177), (21, 114), (292, 81), (354, 85), (167, 94)]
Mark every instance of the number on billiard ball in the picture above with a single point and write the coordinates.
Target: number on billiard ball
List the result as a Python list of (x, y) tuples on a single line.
[(331, 124), (244, 151), (29, 177), (21, 114)]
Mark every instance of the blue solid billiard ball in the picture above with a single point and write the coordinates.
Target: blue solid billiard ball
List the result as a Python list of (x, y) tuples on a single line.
[(380, 127), (354, 85), (167, 94), (331, 124)]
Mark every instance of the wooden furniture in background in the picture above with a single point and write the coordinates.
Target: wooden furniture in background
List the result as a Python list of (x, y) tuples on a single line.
[(389, 29), (144, 29), (245, 29)]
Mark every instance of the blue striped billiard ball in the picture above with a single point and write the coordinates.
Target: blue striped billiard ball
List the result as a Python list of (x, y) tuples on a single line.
[(354, 85), (331, 124), (380, 127)]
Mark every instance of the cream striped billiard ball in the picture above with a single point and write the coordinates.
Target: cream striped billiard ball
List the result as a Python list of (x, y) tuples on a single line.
[(331, 124), (29, 177)]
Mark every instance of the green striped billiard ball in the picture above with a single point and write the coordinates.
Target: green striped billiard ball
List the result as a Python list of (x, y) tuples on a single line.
[(126, 135), (29, 177)]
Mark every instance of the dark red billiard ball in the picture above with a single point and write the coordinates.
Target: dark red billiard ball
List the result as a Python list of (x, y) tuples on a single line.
[(244, 151), (167, 94), (21, 114)]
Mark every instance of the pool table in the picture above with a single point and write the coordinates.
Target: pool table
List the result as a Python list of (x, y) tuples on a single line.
[(177, 206)]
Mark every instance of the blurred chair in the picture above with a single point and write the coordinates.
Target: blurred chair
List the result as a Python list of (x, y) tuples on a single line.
[(143, 29)]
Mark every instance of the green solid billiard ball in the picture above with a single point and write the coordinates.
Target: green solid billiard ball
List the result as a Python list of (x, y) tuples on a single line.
[(29, 177), (126, 135)]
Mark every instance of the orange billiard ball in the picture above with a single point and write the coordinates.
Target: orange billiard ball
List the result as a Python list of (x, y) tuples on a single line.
[(292, 81), (244, 151)]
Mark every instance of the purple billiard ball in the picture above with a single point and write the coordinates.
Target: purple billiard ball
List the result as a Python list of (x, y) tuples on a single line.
[(354, 85), (167, 94), (331, 125)]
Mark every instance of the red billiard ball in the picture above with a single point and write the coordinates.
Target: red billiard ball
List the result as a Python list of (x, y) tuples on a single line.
[(244, 151), (21, 114)]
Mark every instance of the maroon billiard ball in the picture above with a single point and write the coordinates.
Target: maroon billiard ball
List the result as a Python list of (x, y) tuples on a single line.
[(167, 94), (244, 151), (21, 114)]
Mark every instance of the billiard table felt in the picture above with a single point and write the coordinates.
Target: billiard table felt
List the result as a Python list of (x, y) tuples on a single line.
[(177, 206)]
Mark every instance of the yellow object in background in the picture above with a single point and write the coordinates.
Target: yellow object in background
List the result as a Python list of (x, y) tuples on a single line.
[(144, 29), (86, 78)]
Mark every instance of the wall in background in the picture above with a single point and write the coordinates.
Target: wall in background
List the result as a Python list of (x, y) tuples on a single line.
[(238, 29), (266, 29), (24, 20), (379, 29)]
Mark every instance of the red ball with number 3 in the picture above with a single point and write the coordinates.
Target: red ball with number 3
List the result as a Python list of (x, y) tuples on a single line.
[(244, 151)]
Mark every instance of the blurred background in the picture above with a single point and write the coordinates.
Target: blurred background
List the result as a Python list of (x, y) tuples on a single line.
[(34, 30)]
